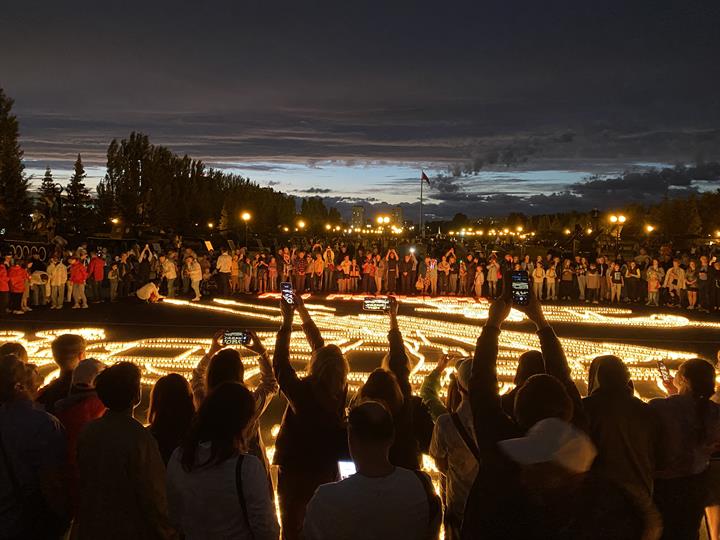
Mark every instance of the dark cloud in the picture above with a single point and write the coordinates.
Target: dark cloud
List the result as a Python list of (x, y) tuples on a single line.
[(465, 85), (314, 190)]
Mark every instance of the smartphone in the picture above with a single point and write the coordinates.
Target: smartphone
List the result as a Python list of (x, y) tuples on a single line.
[(347, 469), (286, 290), (371, 303), (664, 371), (520, 288), (235, 337)]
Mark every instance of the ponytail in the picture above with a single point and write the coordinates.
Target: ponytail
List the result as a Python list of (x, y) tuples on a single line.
[(700, 376)]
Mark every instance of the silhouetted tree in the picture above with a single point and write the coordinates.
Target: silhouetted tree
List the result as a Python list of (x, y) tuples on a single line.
[(15, 202), (78, 198)]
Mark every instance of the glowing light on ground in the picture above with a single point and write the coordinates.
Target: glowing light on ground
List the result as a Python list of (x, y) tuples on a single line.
[(427, 334)]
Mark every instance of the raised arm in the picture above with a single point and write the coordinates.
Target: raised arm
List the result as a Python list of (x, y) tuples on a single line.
[(556, 363), (312, 333), (284, 372), (197, 380), (398, 361), (268, 386), (490, 422), (430, 389)]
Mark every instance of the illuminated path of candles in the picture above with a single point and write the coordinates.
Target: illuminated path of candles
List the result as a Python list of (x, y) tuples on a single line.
[(363, 336), (434, 327)]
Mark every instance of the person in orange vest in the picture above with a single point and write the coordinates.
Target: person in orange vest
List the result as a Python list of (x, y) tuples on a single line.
[(96, 274), (78, 277), (4, 289), (17, 276)]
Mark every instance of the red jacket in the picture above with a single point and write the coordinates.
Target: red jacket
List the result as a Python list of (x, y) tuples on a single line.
[(4, 279), (78, 273), (18, 276), (96, 268)]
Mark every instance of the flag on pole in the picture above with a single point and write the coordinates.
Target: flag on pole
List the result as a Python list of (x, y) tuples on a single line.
[(425, 178)]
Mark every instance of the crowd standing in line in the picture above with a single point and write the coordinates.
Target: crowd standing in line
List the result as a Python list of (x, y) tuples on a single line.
[(540, 462), (683, 280)]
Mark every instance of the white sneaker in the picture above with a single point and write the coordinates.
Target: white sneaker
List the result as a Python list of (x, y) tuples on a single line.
[(18, 312), (197, 299), (76, 306)]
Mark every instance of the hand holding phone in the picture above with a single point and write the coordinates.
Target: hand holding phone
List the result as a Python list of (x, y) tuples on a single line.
[(520, 287), (286, 290), (235, 337), (371, 303)]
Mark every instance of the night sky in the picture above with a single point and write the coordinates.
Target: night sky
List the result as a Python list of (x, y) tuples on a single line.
[(348, 100)]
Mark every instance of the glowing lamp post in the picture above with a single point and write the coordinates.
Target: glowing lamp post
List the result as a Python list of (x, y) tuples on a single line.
[(618, 220), (246, 217)]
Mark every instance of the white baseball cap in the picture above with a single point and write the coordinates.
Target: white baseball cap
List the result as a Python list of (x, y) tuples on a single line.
[(552, 440)]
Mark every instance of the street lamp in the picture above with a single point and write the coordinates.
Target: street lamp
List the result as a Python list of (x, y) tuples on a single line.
[(649, 229), (115, 221), (619, 220), (328, 226), (301, 224), (246, 216)]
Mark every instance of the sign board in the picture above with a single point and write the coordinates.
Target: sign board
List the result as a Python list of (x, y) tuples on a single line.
[(208, 245)]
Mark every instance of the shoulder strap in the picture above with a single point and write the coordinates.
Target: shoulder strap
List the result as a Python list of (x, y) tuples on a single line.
[(434, 504), (467, 439), (241, 494)]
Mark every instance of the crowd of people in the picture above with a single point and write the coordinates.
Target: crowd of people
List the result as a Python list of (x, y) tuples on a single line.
[(538, 462), (668, 278)]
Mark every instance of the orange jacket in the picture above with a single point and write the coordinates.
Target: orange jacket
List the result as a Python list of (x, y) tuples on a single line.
[(18, 276), (4, 279), (78, 273)]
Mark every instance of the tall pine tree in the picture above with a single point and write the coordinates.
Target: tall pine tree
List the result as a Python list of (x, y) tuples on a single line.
[(15, 202), (78, 198), (48, 195)]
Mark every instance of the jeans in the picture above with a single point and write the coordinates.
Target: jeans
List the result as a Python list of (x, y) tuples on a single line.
[(57, 295), (38, 295), (78, 294), (492, 289), (223, 281), (113, 290), (95, 290), (581, 286), (195, 284), (550, 293), (537, 289), (171, 288), (453, 283)]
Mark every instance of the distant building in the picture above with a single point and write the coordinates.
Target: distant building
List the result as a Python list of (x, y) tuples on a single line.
[(358, 217), (396, 215)]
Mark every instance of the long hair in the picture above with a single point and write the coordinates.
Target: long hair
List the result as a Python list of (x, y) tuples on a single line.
[(382, 385), (700, 377), (171, 407), (329, 369), (225, 366), (222, 420)]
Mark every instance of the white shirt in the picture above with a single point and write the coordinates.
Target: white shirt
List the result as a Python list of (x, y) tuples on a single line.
[(57, 273), (448, 444), (146, 291), (168, 269), (224, 263), (203, 504), (363, 508)]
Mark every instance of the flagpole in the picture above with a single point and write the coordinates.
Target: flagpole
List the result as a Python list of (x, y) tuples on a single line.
[(422, 229)]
